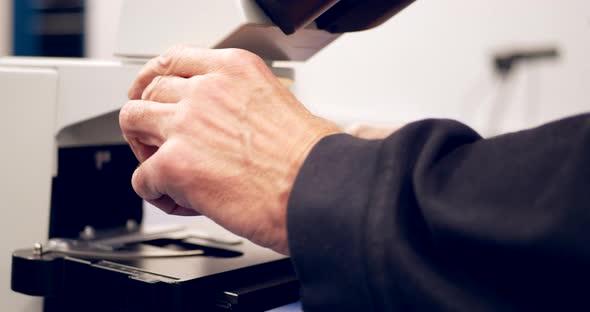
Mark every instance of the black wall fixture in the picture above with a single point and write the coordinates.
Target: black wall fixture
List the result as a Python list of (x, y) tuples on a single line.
[(48, 28)]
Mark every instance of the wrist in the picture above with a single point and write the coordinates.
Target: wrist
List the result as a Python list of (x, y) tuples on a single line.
[(319, 129)]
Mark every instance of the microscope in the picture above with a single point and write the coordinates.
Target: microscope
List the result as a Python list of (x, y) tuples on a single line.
[(67, 169)]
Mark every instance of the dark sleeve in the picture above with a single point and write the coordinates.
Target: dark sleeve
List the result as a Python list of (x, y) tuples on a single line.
[(435, 218)]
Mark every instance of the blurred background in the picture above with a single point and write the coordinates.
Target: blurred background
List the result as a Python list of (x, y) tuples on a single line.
[(436, 59)]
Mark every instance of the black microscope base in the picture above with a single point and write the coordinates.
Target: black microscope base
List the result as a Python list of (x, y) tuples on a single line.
[(243, 277)]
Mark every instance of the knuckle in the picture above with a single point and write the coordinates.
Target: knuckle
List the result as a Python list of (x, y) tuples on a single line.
[(173, 163), (198, 84), (152, 89), (165, 165), (195, 82), (168, 171), (236, 54), (184, 121), (138, 182), (130, 115), (165, 62), (244, 58), (161, 166)]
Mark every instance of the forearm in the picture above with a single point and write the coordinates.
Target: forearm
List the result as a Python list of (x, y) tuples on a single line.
[(449, 221)]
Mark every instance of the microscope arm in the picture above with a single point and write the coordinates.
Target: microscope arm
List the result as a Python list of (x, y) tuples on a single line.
[(332, 15)]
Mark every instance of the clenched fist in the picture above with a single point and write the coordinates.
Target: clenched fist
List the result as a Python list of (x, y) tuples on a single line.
[(217, 134)]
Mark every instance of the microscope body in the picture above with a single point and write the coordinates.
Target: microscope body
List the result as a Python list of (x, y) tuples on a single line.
[(64, 160)]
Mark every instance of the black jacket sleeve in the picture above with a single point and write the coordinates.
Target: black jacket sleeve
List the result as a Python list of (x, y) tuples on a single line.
[(435, 218)]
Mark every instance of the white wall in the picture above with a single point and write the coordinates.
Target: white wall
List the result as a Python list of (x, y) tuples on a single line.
[(102, 21), (5, 27), (433, 60)]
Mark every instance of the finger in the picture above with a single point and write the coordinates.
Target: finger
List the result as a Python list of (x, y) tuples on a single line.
[(165, 89), (141, 150), (147, 181), (181, 61), (169, 206), (146, 121)]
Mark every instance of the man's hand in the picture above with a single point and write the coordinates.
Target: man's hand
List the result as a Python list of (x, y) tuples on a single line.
[(217, 134)]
